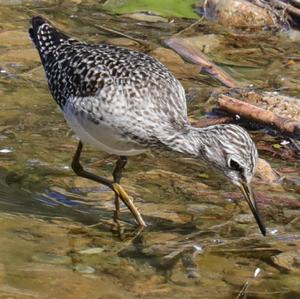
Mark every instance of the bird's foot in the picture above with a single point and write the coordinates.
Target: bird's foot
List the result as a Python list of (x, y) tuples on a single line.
[(121, 193)]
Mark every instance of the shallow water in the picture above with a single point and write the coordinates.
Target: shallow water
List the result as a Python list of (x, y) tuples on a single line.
[(57, 238)]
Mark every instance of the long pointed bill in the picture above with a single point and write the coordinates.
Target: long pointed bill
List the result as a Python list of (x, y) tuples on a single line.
[(249, 196)]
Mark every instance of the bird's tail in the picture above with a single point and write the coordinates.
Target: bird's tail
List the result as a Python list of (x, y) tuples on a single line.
[(45, 37)]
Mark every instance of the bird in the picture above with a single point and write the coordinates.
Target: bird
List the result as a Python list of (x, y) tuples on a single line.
[(125, 102)]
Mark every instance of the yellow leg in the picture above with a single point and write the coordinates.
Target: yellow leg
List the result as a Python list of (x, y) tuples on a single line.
[(114, 185), (128, 202)]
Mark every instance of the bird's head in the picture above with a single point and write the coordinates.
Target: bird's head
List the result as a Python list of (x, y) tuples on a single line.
[(230, 149)]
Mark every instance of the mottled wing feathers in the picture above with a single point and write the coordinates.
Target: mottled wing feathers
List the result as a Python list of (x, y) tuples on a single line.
[(75, 69)]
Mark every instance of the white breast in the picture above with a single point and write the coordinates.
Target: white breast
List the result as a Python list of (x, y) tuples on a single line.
[(101, 136)]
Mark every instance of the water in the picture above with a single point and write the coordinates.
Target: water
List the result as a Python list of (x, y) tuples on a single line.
[(57, 238)]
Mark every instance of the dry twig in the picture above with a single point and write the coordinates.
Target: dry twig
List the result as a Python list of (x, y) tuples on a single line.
[(251, 112), (199, 58), (288, 7), (205, 122), (113, 31)]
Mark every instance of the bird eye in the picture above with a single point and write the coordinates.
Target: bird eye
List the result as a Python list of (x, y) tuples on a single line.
[(234, 165)]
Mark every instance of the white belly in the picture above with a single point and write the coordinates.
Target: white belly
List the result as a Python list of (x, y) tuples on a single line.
[(101, 135)]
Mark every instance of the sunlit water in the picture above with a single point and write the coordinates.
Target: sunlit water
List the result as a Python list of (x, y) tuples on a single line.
[(56, 234)]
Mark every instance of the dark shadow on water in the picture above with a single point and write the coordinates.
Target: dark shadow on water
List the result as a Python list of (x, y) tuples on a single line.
[(14, 199)]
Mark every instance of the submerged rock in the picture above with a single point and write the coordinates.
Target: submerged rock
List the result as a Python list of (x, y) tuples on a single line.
[(205, 209), (175, 63), (289, 261), (206, 43), (84, 269), (52, 259), (94, 250), (244, 218)]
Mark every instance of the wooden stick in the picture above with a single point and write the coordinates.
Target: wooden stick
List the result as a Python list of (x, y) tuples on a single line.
[(290, 8), (205, 122), (251, 112), (188, 27), (199, 58), (113, 31)]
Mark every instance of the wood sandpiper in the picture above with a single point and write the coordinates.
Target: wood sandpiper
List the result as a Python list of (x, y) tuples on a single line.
[(125, 102)]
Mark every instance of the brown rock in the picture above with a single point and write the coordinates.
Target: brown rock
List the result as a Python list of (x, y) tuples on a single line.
[(237, 13), (289, 261), (265, 173)]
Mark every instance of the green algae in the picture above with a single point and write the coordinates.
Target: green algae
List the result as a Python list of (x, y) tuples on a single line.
[(166, 8)]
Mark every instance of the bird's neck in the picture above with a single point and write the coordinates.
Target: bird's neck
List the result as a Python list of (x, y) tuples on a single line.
[(188, 141)]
